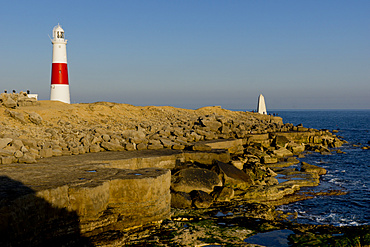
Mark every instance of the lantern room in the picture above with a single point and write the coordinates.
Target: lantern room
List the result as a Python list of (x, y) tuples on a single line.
[(58, 34)]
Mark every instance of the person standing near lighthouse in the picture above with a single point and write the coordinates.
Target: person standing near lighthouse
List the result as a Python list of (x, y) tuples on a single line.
[(59, 72)]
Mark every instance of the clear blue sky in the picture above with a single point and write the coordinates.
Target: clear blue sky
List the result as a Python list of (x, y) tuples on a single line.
[(299, 54)]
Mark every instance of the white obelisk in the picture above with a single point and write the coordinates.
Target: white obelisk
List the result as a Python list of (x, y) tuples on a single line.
[(59, 73), (261, 107)]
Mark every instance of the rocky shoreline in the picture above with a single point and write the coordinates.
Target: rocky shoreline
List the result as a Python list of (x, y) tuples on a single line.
[(227, 172)]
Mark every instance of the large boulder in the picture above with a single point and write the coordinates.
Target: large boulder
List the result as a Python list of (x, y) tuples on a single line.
[(190, 179), (232, 177), (201, 199)]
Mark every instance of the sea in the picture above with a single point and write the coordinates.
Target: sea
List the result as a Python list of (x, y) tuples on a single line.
[(349, 172)]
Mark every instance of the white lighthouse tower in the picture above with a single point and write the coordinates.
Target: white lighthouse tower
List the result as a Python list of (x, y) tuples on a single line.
[(59, 71)]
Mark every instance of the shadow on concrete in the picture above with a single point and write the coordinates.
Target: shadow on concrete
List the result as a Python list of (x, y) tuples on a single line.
[(27, 220)]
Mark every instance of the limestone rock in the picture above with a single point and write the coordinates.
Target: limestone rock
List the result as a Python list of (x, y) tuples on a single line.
[(18, 154), (280, 141), (18, 116), (181, 200), (252, 159), (201, 199), (155, 146), (295, 148), (35, 118), (17, 144), (78, 203), (269, 160), (27, 158), (254, 151), (137, 136), (223, 194), (9, 103), (94, 148), (207, 158), (190, 179), (234, 146), (260, 211), (141, 146), (282, 152), (7, 159), (232, 176), (305, 167), (167, 143), (110, 146), (238, 164), (212, 124), (4, 142), (130, 146), (105, 137), (57, 152), (201, 147), (46, 152), (178, 146)]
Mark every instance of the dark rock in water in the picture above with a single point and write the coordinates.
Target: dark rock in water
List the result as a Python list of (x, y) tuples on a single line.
[(180, 200), (201, 199), (190, 179), (232, 176), (305, 167), (223, 194)]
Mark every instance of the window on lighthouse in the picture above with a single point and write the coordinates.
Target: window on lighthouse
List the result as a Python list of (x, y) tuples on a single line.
[(60, 35)]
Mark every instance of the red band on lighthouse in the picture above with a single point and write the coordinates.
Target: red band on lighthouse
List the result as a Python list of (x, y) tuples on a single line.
[(59, 73)]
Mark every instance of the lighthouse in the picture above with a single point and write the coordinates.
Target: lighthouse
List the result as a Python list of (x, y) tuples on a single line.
[(59, 72)]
